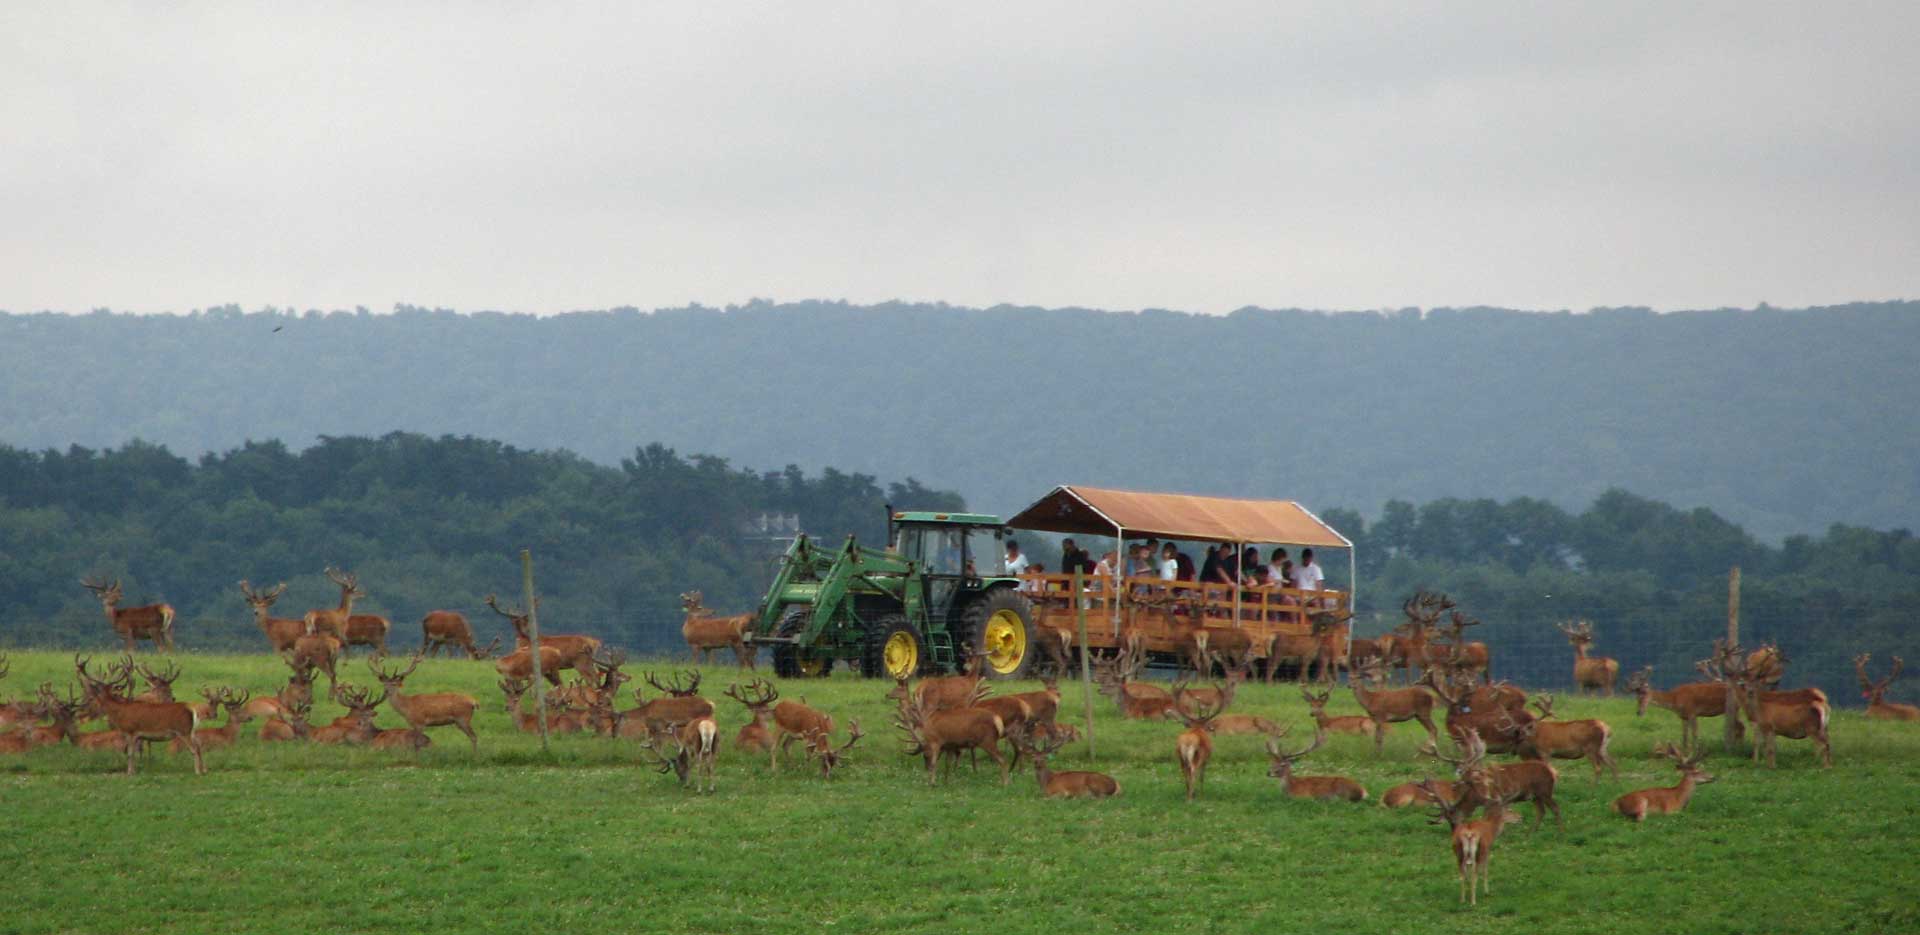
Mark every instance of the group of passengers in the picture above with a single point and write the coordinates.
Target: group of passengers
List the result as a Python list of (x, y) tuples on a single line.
[(1165, 561)]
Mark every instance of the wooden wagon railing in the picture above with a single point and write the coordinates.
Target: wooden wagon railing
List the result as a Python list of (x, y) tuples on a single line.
[(1155, 608)]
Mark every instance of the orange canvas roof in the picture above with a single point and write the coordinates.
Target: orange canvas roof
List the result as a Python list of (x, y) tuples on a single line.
[(1094, 511)]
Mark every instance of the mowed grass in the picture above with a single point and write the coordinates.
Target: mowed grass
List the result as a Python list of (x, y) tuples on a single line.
[(286, 838)]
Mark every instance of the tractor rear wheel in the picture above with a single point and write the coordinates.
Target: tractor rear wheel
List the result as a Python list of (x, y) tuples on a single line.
[(797, 662), (894, 650), (999, 625)]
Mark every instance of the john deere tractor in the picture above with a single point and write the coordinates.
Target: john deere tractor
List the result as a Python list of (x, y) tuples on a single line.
[(929, 603)]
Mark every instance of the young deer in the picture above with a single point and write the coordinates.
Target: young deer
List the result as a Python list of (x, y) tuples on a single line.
[(1876, 692), (1345, 724), (1690, 702), (1321, 788), (1194, 747), (935, 733), (1665, 800), (333, 622), (693, 746), (1038, 744), (707, 633), (151, 622), (212, 738), (1472, 839), (1543, 738), (1391, 705), (1589, 673), (438, 709), (139, 720), (281, 632), (758, 697)]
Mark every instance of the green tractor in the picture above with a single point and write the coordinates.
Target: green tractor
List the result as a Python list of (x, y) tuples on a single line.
[(927, 604)]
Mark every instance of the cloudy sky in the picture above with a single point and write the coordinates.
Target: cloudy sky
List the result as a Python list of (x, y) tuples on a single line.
[(540, 157)]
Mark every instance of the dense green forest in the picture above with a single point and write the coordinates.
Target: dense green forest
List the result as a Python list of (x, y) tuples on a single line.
[(437, 522), (1782, 421)]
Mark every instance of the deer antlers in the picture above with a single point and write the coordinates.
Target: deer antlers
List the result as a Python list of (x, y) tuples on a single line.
[(673, 685), (1544, 702), (345, 579), (1681, 758), (1273, 745), (262, 598), (758, 693), (1868, 685), (1424, 608), (1579, 631), (387, 676)]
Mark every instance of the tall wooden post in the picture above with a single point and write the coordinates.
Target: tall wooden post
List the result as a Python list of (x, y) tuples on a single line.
[(1732, 719), (533, 636), (1086, 664)]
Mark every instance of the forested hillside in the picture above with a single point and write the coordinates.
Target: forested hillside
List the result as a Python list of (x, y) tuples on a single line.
[(1783, 421)]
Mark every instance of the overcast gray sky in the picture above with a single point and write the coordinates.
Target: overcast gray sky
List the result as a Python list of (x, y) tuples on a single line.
[(541, 157)]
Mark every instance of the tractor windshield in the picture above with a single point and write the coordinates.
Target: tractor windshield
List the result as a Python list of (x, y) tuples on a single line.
[(986, 556)]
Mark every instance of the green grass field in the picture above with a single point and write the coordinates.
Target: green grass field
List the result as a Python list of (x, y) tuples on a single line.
[(288, 838)]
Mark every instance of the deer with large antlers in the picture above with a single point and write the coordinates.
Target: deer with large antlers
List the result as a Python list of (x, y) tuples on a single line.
[(1875, 693), (1472, 840), (447, 629), (943, 692), (1766, 666), (571, 650), (687, 749), (758, 697), (1321, 788), (796, 720), (937, 734), (356, 726), (289, 724), (1117, 679), (212, 738), (333, 621), (678, 704), (159, 683), (18, 712), (63, 716), (1344, 724), (139, 720), (1476, 708), (1391, 705), (1423, 612), (706, 633), (149, 622), (1543, 738), (281, 632), (1038, 744), (1796, 715), (1194, 747), (1527, 780), (298, 690), (1590, 673), (1665, 800), (1690, 702), (437, 709)]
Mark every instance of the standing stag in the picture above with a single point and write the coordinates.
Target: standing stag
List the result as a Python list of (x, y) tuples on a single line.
[(438, 709), (936, 733), (571, 650), (1589, 673), (795, 720), (281, 632), (686, 749), (705, 632), (150, 622), (334, 622), (1527, 780), (1797, 715), (1391, 705), (1876, 692), (139, 721), (1472, 840), (1194, 747), (1543, 738), (1690, 702), (1665, 800)]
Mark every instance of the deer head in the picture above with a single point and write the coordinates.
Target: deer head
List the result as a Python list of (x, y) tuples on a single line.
[(1281, 767), (1687, 764), (757, 696), (1871, 690), (109, 594), (392, 679), (349, 583), (261, 600), (831, 757), (673, 686)]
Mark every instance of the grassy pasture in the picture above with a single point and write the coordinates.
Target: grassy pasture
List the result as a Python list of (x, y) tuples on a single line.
[(286, 838)]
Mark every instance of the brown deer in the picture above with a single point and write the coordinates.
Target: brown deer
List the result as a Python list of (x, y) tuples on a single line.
[(281, 632), (1543, 738), (1590, 673), (1344, 724), (401, 738), (758, 697), (1414, 793), (574, 651), (1472, 840), (150, 622), (160, 684), (1690, 702), (1796, 715), (935, 733), (1767, 666), (1043, 705), (1321, 788), (289, 724), (213, 738), (563, 717), (942, 692), (515, 691), (298, 690), (369, 630), (1391, 705), (448, 629), (677, 704), (1194, 747), (796, 720), (334, 622), (1135, 699), (1472, 707), (1665, 800), (687, 749), (356, 726), (16, 713), (1875, 693), (705, 632), (139, 720), (62, 714), (1527, 780), (319, 651), (1332, 628), (438, 709), (1302, 648), (1038, 745), (1423, 612)]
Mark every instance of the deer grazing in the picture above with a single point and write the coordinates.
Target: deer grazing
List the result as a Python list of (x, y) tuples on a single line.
[(1345, 724), (1391, 705), (213, 738), (281, 632), (1472, 839), (1596, 673), (447, 629), (369, 630), (1321, 788), (1665, 800), (1543, 738), (422, 711), (935, 734), (333, 622), (1875, 693), (1194, 747), (1796, 715), (796, 720), (705, 632), (758, 697), (1690, 702), (1038, 745), (686, 749), (139, 720), (150, 622)]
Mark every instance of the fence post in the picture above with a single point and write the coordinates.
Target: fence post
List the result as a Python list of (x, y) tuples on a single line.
[(1086, 665), (533, 636), (1732, 725)]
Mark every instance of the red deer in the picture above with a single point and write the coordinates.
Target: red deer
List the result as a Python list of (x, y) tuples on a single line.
[(139, 720), (15, 713), (1589, 672), (1472, 839), (1767, 666), (1544, 738), (401, 738), (1322, 788), (1875, 693), (1303, 648), (677, 705), (687, 749), (565, 718), (438, 709), (1665, 800), (935, 733), (318, 651), (705, 632), (1413, 793), (150, 622), (758, 697), (943, 692), (1391, 705), (160, 685), (1527, 780), (369, 630), (1690, 702), (62, 714), (1045, 703), (446, 628), (334, 622), (356, 726), (795, 720), (213, 738), (281, 632), (1135, 699), (573, 651), (1344, 724), (1472, 707), (515, 691), (1796, 715), (1038, 745), (290, 724), (298, 690), (1200, 646), (1423, 611), (1194, 747)]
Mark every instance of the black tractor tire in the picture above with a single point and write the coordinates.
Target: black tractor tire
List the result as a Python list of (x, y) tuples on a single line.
[(893, 627), (791, 661), (1000, 608)]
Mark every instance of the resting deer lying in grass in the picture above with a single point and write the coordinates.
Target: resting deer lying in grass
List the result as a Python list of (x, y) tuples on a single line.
[(1639, 804), (1345, 724), (1595, 673), (139, 720), (1321, 788), (686, 749), (1544, 738), (1391, 705), (937, 734), (1415, 793), (1876, 692), (213, 738), (1139, 700), (677, 704), (291, 724), (160, 684), (61, 714), (1472, 839), (401, 738), (705, 632), (437, 709), (758, 697), (298, 690), (356, 726), (1039, 744), (1194, 747), (1690, 702)]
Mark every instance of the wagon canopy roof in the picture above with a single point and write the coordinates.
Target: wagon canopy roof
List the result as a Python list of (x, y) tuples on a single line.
[(1094, 511)]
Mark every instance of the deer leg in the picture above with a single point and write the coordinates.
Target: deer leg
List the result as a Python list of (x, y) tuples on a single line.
[(993, 750), (199, 764), (466, 727), (133, 745)]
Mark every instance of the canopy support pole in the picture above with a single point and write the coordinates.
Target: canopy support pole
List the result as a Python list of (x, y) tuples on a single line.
[(1116, 575), (1353, 604)]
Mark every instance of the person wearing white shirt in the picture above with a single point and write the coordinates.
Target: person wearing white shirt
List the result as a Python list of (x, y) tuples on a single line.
[(1016, 562), (1169, 563), (1306, 574), (1278, 570)]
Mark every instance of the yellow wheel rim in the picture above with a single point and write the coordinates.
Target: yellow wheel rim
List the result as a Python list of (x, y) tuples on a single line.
[(1006, 642), (901, 655), (811, 666)]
